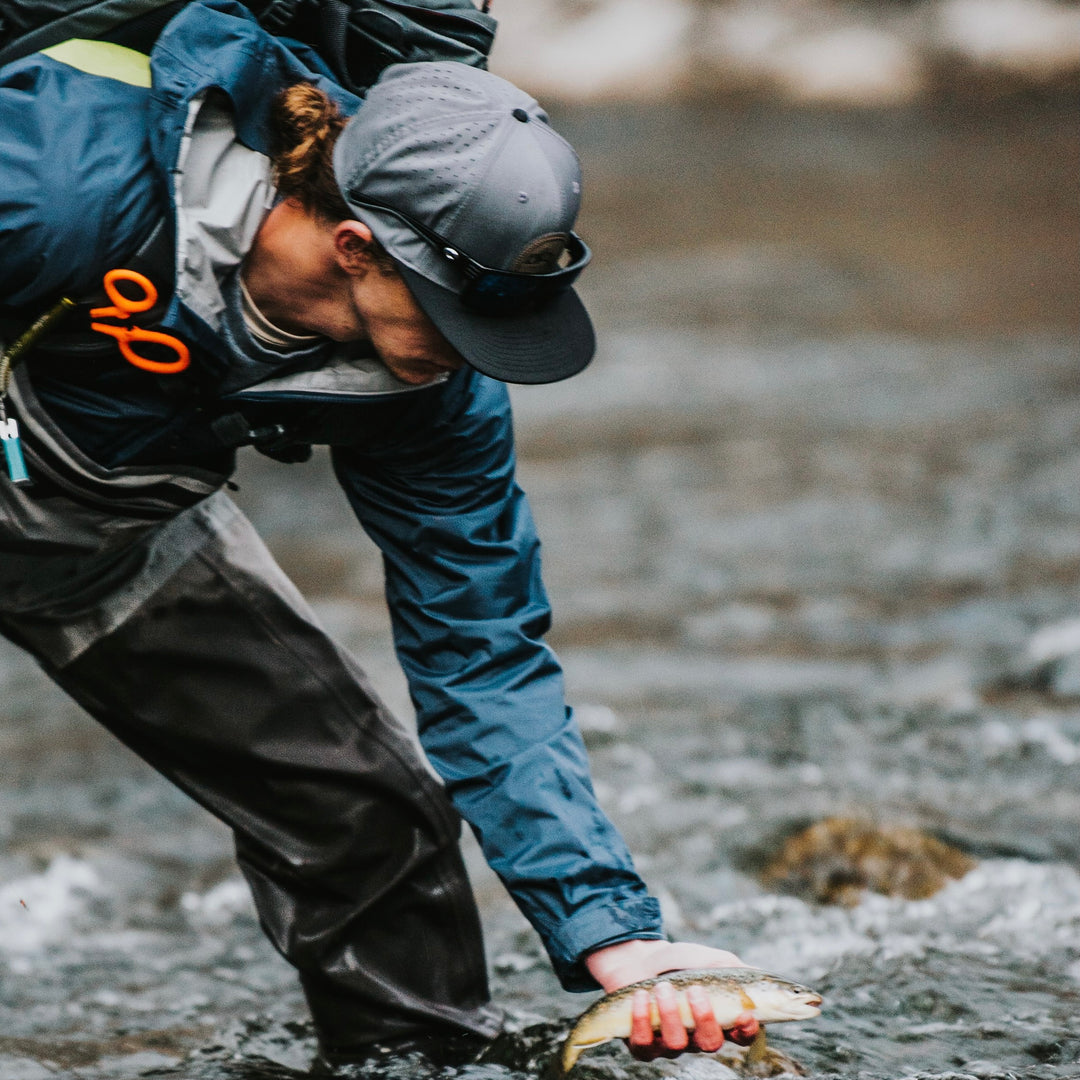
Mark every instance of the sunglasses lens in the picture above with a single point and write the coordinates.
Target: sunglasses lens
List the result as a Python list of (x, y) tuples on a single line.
[(493, 293)]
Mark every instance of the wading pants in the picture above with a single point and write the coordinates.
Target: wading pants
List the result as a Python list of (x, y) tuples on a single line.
[(181, 635)]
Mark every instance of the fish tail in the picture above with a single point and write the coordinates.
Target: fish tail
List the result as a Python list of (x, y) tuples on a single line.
[(573, 1050), (570, 1054)]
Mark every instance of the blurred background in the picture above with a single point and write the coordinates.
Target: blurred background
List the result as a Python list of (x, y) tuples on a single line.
[(811, 529)]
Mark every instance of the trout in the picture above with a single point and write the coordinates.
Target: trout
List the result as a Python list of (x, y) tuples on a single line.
[(731, 991)]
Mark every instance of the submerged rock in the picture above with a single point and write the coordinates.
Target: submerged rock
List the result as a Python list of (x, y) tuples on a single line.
[(837, 860)]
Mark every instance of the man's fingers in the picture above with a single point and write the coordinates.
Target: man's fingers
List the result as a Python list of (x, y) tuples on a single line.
[(643, 1043), (673, 1038), (744, 1029), (641, 1029), (672, 1029), (707, 1033)]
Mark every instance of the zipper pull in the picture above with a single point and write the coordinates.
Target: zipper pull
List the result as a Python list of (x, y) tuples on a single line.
[(9, 357), (16, 464)]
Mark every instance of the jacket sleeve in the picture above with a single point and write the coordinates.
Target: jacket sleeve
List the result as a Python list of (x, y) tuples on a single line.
[(469, 613)]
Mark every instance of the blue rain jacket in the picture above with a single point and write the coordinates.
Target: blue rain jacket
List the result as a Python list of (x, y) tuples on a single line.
[(88, 165)]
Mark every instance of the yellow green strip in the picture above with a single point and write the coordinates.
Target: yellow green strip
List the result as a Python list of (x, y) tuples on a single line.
[(103, 58)]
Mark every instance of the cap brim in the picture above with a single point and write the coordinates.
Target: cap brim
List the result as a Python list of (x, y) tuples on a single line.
[(538, 347)]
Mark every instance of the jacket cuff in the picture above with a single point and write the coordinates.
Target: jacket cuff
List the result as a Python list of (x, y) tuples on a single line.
[(595, 927)]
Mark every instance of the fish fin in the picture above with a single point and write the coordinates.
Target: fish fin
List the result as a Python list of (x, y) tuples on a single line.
[(757, 1049), (573, 1050), (747, 1001)]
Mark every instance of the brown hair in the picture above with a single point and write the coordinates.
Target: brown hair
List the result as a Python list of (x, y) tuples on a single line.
[(305, 124)]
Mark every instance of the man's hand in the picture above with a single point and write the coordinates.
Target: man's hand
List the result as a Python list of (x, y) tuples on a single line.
[(633, 961)]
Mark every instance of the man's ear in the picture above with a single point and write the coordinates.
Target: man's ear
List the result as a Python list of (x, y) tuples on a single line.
[(353, 246)]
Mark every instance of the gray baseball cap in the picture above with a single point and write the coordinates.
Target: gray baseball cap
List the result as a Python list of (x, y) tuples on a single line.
[(462, 179)]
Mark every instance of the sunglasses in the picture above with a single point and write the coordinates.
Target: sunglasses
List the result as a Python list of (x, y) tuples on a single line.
[(489, 291)]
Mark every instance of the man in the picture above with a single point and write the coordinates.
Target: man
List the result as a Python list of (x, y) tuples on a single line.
[(249, 267)]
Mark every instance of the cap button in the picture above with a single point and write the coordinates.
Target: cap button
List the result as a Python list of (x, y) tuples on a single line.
[(520, 114)]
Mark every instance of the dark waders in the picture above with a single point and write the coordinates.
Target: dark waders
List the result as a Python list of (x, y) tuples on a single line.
[(151, 600)]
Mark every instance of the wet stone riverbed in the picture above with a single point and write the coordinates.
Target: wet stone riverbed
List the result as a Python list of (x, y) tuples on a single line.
[(812, 534)]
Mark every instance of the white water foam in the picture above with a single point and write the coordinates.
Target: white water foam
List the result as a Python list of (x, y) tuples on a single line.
[(1003, 905), (39, 909), (220, 905)]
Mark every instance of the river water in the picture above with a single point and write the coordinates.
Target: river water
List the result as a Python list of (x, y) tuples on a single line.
[(812, 535)]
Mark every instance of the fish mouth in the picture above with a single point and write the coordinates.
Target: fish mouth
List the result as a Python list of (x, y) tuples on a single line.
[(808, 1007)]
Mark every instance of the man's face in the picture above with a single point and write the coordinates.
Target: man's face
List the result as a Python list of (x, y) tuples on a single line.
[(385, 313), (405, 339)]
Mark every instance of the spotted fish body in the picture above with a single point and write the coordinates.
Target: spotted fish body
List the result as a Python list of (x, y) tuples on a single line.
[(731, 991)]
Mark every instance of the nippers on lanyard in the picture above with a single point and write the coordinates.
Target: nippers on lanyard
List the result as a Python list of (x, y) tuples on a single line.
[(123, 308)]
